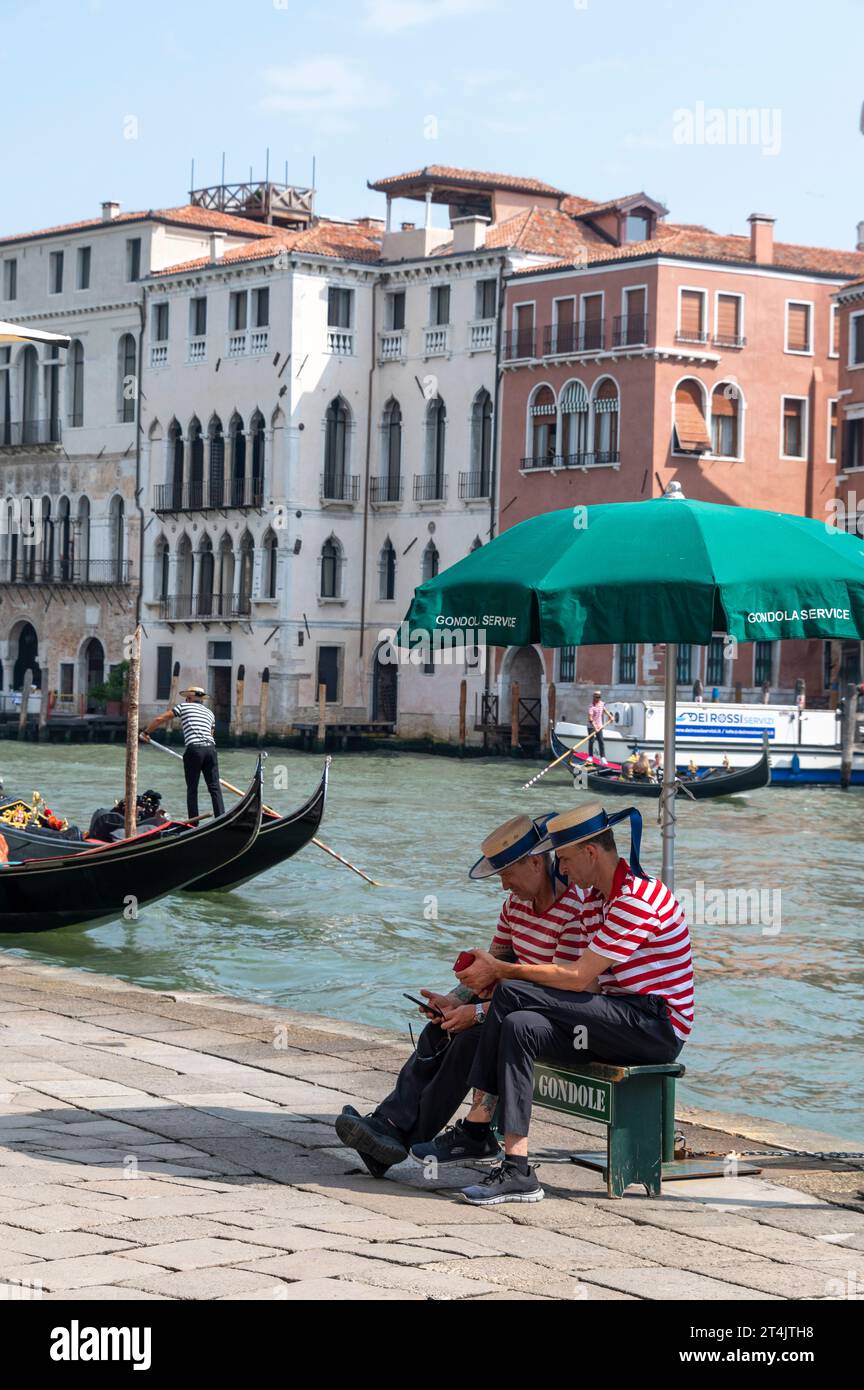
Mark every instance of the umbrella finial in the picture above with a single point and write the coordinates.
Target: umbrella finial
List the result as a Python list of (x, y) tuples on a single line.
[(674, 490)]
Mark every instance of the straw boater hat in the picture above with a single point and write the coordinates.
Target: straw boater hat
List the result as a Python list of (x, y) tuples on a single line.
[(194, 690), (512, 841), (586, 823)]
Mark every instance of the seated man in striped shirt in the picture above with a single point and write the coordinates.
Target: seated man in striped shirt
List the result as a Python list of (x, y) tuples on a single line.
[(431, 1086), (631, 940)]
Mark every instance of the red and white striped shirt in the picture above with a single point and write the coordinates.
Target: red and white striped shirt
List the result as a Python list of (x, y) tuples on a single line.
[(533, 937), (642, 929)]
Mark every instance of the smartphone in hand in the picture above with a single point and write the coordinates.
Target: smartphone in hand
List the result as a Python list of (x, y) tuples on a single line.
[(427, 1008)]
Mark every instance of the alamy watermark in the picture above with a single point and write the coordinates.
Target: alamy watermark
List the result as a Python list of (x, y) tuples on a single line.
[(453, 643), (759, 126), (733, 907)]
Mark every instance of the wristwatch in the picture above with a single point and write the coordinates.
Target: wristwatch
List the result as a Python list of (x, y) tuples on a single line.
[(479, 1013)]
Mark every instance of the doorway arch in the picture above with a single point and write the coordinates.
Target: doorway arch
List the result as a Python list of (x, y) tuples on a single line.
[(26, 657), (91, 667), (523, 666)]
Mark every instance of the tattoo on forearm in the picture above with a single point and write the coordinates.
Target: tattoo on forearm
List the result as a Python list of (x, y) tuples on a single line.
[(462, 994), (486, 1099)]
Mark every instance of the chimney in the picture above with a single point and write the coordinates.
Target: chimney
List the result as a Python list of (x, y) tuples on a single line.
[(860, 246), (110, 211), (374, 223), (408, 226), (217, 245), (468, 232), (761, 238)]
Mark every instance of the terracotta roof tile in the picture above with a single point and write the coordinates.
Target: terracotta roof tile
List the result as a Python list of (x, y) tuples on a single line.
[(543, 232), (341, 240), (468, 178), (203, 219), (699, 244)]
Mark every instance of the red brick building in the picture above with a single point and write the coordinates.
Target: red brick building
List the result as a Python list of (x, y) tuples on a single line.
[(664, 352)]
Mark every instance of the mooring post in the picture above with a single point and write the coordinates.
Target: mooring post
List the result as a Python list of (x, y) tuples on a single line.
[(132, 695), (514, 716), (238, 700), (847, 734), (463, 697), (322, 716), (263, 704), (25, 702)]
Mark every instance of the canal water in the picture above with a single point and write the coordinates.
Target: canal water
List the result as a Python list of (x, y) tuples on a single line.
[(774, 880)]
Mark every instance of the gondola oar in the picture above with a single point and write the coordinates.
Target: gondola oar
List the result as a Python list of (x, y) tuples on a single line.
[(565, 754), (229, 786)]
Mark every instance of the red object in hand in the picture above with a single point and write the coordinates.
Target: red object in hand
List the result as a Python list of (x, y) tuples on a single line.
[(463, 960)]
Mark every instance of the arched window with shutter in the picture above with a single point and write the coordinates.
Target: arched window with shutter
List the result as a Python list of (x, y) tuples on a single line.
[(196, 464), (238, 461), (574, 423), (429, 565), (481, 442), (691, 431), (175, 464), (127, 378), (76, 383), (331, 567), (543, 422), (256, 429), (605, 407)]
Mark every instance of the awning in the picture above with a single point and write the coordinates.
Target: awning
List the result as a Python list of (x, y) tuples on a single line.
[(18, 333), (690, 425), (574, 397)]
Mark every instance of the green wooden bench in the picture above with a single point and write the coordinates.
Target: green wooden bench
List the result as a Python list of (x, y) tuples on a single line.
[(635, 1103)]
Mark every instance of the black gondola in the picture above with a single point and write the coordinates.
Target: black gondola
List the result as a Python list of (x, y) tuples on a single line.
[(279, 838), (609, 781), (99, 885), (705, 788)]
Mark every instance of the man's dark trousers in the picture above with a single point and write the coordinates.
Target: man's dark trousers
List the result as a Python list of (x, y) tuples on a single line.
[(526, 1022), (598, 734), (432, 1084), (198, 758)]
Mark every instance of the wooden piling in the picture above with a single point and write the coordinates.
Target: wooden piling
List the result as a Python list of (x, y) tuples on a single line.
[(25, 701), (847, 734), (238, 700), (175, 681), (263, 704), (552, 707), (514, 716), (132, 699), (44, 707), (463, 698)]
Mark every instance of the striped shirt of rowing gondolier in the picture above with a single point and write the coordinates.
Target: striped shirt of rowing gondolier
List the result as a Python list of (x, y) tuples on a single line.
[(196, 721), (534, 937), (642, 929)]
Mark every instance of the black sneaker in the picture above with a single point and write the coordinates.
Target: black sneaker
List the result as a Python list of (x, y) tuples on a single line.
[(372, 1137), (505, 1184), (455, 1145)]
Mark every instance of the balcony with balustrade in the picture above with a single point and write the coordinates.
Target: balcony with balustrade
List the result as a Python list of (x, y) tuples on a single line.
[(385, 491), (392, 345), (340, 341), (436, 341), (29, 567), (574, 339), (481, 335), (207, 495), (630, 330), (339, 489), (519, 344), (475, 485), (598, 458), (204, 608), (430, 488)]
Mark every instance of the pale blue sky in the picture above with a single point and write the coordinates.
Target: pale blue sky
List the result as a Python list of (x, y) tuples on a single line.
[(582, 95)]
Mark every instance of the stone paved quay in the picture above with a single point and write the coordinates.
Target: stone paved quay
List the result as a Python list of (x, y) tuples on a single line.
[(180, 1146)]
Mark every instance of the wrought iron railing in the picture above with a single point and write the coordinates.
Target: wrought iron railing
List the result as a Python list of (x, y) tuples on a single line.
[(340, 487), (204, 607), (208, 495), (475, 485), (430, 487), (385, 489)]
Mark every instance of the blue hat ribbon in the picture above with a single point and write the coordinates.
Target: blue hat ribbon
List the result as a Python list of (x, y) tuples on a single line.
[(601, 822)]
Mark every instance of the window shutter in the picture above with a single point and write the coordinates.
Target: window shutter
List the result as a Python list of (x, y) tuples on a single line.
[(798, 329), (635, 303), (691, 313), (565, 313), (728, 306), (689, 421), (721, 404)]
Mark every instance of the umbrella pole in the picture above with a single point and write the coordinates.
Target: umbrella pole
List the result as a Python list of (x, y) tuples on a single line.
[(667, 796)]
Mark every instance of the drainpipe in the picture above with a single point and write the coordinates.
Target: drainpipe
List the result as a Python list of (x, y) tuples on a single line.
[(384, 279), (495, 470)]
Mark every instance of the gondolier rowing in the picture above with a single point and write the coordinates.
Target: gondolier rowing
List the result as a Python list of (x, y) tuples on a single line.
[(197, 723)]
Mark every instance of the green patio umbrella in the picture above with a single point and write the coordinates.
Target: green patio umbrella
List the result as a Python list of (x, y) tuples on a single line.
[(667, 571)]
